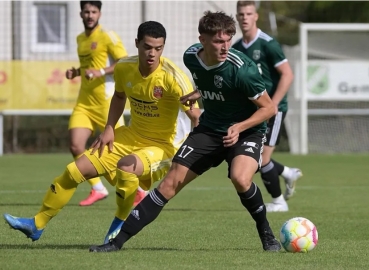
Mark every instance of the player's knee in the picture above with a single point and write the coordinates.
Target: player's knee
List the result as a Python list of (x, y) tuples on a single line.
[(131, 164), (242, 182), (74, 173), (76, 150)]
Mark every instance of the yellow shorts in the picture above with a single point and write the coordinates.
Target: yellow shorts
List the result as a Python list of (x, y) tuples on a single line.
[(93, 119), (156, 157)]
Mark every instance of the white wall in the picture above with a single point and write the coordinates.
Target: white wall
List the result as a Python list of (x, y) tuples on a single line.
[(5, 30)]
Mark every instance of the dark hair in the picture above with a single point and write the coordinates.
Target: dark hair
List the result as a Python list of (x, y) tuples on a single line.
[(245, 3), (97, 4), (213, 22), (151, 29)]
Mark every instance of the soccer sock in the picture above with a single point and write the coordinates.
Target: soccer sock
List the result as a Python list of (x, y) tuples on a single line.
[(95, 183), (59, 194), (252, 200), (126, 189), (279, 167), (270, 178), (143, 214)]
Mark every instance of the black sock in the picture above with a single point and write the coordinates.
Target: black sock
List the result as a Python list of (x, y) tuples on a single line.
[(253, 202), (270, 178), (143, 214), (279, 167)]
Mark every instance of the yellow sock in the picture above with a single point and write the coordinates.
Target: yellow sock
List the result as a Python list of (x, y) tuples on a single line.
[(92, 181), (126, 188), (59, 194)]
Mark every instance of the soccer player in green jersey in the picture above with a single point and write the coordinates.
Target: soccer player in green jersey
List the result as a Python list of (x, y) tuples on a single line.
[(231, 129), (267, 54)]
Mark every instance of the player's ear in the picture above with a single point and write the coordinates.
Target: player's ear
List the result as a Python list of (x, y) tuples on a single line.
[(136, 42), (201, 39), (256, 16)]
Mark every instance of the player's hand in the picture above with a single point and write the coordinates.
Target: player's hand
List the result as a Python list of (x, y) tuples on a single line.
[(190, 99), (92, 73), (105, 139), (71, 73), (232, 136)]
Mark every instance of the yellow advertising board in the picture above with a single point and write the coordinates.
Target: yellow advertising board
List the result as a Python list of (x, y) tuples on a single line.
[(37, 85)]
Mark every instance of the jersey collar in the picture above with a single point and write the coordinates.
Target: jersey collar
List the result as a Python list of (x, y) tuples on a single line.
[(203, 64), (248, 45)]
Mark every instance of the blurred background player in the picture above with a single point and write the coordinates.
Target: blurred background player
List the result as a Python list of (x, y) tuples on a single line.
[(98, 52), (267, 54), (129, 156)]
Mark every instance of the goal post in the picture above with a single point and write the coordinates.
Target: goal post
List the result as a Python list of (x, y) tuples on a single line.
[(331, 94)]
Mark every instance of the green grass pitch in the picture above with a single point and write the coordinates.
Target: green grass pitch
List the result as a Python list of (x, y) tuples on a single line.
[(204, 227)]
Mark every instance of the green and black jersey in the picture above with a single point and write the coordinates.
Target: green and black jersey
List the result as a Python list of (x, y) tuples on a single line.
[(267, 54), (227, 89)]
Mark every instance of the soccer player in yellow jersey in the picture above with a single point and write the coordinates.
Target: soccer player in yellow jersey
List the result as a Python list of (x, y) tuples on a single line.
[(129, 156), (98, 52)]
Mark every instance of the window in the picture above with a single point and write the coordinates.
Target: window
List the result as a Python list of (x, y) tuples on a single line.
[(49, 27)]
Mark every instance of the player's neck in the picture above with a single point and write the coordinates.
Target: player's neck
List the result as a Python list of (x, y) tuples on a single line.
[(88, 32), (249, 36), (147, 71), (206, 59)]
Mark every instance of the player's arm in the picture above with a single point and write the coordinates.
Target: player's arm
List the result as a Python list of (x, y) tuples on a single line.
[(251, 82), (194, 115), (117, 104), (275, 54), (115, 49), (73, 72), (266, 110)]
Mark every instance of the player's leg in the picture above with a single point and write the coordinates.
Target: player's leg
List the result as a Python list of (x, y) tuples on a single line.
[(57, 196), (290, 176), (187, 164), (81, 126), (138, 170), (64, 186), (242, 166), (268, 171)]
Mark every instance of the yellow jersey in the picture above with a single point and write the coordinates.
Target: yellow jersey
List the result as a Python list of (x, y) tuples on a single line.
[(154, 100), (98, 50)]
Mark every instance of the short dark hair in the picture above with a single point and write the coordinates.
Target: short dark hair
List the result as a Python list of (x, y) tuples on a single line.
[(213, 22), (245, 3), (151, 29), (97, 4)]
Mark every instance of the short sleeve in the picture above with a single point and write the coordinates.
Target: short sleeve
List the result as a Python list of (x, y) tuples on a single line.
[(274, 53), (181, 86), (250, 81), (115, 46), (118, 75)]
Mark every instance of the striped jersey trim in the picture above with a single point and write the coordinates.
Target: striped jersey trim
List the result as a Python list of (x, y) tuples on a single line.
[(265, 36), (113, 37), (235, 59), (129, 59), (257, 96), (178, 76)]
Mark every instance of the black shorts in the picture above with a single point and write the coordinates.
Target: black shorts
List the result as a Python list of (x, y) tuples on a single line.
[(204, 149), (273, 132)]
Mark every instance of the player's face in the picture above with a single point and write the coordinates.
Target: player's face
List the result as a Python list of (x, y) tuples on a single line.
[(90, 16), (216, 47), (149, 50), (247, 18)]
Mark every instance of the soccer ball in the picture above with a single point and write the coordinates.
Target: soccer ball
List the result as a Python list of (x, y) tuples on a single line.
[(298, 235)]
